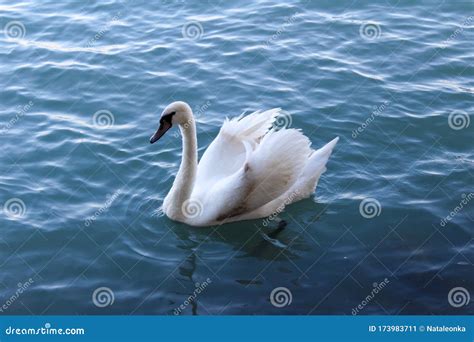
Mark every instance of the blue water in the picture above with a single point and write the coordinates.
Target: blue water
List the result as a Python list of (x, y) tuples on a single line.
[(82, 86)]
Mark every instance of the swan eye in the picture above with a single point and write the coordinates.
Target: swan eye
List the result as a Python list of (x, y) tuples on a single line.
[(167, 117)]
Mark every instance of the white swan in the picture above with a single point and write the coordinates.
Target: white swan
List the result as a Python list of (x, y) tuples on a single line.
[(249, 171)]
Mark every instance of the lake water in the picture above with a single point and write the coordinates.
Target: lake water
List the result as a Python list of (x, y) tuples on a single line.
[(389, 230)]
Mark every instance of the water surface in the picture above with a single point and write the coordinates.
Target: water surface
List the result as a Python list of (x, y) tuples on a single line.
[(83, 84)]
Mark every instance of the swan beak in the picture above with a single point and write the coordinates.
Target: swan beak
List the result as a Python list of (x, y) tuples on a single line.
[(164, 126)]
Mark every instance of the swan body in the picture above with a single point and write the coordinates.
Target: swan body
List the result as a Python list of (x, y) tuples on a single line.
[(249, 171)]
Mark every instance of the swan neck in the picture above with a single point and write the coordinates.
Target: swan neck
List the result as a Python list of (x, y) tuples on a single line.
[(189, 157), (184, 181)]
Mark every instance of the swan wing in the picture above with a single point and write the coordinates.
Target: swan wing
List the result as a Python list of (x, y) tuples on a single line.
[(268, 172), (303, 187), (227, 153), (275, 166)]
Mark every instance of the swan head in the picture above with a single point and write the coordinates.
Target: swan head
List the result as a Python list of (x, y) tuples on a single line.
[(176, 113)]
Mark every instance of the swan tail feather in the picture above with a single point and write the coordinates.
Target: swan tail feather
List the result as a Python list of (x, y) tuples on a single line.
[(315, 166)]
